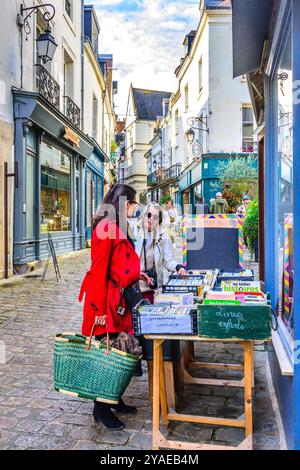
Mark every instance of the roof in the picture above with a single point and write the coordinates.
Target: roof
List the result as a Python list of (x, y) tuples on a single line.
[(217, 4), (250, 28), (149, 103)]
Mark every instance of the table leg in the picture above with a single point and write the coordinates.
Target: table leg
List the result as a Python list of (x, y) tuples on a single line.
[(163, 391), (156, 393), (248, 353)]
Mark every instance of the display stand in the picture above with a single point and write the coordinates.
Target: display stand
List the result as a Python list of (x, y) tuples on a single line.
[(160, 402)]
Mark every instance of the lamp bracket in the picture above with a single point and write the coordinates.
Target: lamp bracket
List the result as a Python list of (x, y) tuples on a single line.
[(196, 122), (34, 9)]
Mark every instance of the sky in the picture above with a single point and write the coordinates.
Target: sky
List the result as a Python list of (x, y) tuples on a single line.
[(145, 38)]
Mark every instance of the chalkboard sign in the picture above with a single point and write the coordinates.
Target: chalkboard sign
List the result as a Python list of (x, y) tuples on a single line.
[(51, 254), (239, 322), (213, 242)]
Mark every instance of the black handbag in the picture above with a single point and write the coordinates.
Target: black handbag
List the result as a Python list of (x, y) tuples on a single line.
[(132, 296)]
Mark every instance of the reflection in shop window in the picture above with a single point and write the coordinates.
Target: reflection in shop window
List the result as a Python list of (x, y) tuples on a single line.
[(285, 187), (55, 190)]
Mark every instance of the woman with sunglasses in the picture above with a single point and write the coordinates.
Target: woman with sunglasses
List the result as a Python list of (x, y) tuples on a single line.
[(155, 250), (115, 266)]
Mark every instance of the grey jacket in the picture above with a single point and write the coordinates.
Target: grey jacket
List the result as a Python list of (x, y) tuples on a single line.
[(165, 264)]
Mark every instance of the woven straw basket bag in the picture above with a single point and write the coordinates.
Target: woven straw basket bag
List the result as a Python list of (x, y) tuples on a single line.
[(85, 368)]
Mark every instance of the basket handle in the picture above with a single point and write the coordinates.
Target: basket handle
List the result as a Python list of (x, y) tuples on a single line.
[(88, 347)]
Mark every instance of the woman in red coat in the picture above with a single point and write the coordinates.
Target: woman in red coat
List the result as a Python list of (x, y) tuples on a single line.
[(115, 266)]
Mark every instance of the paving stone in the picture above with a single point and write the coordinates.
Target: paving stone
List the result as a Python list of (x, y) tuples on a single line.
[(49, 415), (113, 437), (56, 429), (5, 437), (57, 443), (41, 403), (32, 442), (67, 406), (7, 422), (27, 425), (87, 445), (230, 434), (91, 433), (22, 412), (141, 440), (74, 419)]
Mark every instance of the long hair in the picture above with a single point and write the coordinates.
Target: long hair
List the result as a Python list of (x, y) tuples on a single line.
[(112, 198)]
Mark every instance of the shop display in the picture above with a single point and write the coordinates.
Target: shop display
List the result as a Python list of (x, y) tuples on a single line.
[(163, 319), (181, 299)]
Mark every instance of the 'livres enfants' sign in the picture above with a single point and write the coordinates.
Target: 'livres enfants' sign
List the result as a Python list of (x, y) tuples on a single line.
[(234, 322)]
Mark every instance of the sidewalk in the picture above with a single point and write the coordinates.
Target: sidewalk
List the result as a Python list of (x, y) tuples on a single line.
[(34, 416)]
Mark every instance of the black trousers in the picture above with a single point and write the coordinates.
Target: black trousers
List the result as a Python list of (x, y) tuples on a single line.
[(99, 404)]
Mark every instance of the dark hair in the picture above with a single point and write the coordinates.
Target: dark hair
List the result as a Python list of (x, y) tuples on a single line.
[(201, 200), (112, 197)]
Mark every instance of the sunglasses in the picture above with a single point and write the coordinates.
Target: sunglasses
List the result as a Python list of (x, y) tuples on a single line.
[(133, 202), (152, 216)]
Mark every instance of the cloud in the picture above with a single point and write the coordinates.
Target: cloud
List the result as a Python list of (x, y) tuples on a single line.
[(145, 38)]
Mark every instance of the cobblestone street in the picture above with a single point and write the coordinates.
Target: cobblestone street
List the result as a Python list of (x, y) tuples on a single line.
[(34, 416)]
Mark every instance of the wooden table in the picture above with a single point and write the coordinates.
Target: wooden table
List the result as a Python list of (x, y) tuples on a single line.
[(160, 403)]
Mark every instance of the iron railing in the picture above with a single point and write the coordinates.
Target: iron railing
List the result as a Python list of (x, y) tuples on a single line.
[(162, 174), (72, 111), (172, 172), (47, 86), (155, 177)]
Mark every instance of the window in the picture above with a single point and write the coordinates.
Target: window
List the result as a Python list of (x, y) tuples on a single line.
[(55, 189), (186, 97), (200, 75), (68, 76), (285, 189), (247, 128), (176, 122), (69, 8), (95, 118)]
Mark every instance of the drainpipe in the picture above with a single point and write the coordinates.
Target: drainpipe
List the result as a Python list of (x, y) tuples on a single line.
[(82, 65)]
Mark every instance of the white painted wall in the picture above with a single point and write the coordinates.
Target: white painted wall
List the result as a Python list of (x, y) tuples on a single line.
[(221, 97)]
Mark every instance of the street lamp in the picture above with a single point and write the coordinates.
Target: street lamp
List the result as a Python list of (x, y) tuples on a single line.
[(46, 46), (190, 135)]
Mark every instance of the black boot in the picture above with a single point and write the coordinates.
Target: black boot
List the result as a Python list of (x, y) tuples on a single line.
[(138, 371), (103, 414), (125, 409)]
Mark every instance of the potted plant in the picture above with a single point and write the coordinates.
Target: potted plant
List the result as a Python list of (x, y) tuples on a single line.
[(250, 228)]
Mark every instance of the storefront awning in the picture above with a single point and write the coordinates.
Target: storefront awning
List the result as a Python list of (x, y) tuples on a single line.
[(250, 28), (32, 107)]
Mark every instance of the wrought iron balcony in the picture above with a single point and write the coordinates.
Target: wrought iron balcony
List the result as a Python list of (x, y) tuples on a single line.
[(155, 177), (172, 172), (47, 86), (72, 111)]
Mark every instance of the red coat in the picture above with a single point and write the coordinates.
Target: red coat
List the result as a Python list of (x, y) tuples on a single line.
[(115, 264)]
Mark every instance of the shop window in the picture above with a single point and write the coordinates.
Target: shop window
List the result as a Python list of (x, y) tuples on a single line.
[(55, 189), (285, 188), (247, 128)]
